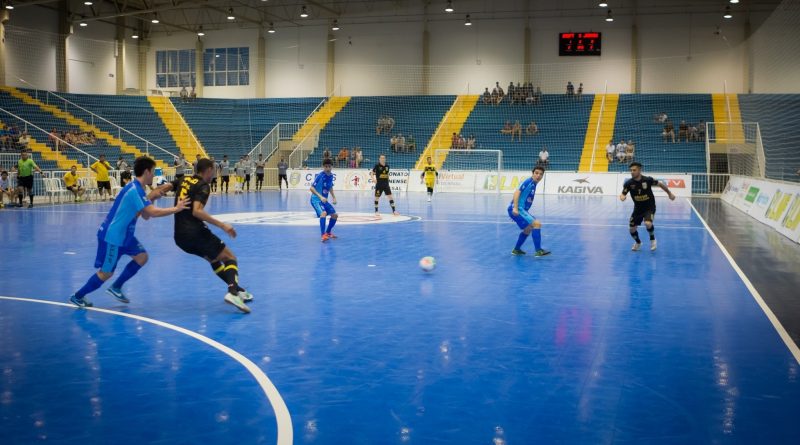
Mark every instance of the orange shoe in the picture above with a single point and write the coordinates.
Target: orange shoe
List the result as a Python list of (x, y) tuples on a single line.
[(332, 236), (325, 237)]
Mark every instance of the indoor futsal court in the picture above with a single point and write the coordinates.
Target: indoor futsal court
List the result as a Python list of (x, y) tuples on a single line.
[(350, 342)]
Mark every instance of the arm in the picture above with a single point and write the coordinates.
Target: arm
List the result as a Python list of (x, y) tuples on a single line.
[(666, 189), (514, 202), (318, 194), (333, 195), (199, 212), (159, 191), (152, 211)]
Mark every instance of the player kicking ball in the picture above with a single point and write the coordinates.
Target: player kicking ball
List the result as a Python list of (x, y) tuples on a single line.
[(644, 204), (193, 236), (518, 211), (322, 186)]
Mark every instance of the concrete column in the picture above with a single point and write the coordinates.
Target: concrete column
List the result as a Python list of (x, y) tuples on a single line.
[(330, 69), (4, 16), (64, 31), (143, 48), (426, 60), (636, 60), (199, 47), (526, 57), (747, 58), (120, 54), (261, 65)]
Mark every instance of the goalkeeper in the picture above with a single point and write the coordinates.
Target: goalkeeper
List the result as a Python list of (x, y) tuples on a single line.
[(429, 174)]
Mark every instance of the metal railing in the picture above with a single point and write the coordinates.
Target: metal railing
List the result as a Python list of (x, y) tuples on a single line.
[(184, 126), (61, 146), (270, 143), (304, 148)]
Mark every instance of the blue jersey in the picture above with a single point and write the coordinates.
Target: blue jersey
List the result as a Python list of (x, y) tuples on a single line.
[(323, 183), (526, 191), (120, 223)]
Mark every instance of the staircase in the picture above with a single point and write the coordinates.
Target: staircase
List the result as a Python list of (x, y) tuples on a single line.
[(320, 118), (593, 157), (733, 132), (183, 136), (452, 122), (79, 123), (48, 154)]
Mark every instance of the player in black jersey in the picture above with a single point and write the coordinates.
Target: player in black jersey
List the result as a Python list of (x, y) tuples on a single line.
[(193, 236), (380, 176), (644, 203)]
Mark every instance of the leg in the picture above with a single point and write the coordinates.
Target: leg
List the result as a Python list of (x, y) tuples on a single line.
[(634, 230), (391, 202), (378, 192), (536, 230), (651, 230)]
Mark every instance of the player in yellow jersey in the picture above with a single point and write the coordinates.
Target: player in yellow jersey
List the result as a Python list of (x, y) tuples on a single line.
[(71, 182), (429, 174)]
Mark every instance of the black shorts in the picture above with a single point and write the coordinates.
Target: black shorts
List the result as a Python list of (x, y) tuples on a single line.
[(104, 185), (382, 188), (225, 179), (260, 176), (203, 244), (74, 188), (642, 214), (283, 176), (25, 182), (246, 178)]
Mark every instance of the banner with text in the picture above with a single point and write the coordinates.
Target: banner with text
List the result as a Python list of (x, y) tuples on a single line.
[(774, 203)]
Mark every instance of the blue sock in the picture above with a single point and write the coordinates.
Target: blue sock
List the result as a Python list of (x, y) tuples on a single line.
[(331, 223), (537, 238), (322, 225), (92, 285), (521, 240), (128, 273)]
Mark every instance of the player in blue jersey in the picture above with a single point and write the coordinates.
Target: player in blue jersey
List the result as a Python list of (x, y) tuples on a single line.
[(322, 186), (116, 234), (518, 211)]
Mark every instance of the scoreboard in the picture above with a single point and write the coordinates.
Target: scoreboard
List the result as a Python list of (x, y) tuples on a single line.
[(579, 44)]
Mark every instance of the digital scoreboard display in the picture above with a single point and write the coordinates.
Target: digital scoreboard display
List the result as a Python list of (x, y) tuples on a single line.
[(579, 44)]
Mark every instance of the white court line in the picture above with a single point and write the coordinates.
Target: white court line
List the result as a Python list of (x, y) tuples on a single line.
[(756, 296), (553, 224), (284, 421)]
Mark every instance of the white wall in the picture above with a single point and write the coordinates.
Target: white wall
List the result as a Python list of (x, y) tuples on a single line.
[(91, 60), (31, 31), (296, 62), (131, 64)]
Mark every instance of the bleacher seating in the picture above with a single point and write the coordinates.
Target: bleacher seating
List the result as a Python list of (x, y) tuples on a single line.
[(777, 116), (235, 126), (635, 121), (354, 126), (562, 128)]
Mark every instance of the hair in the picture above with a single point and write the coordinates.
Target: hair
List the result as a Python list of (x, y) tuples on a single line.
[(538, 167), (203, 165), (635, 164), (327, 161), (3, 172), (142, 164), (101, 155)]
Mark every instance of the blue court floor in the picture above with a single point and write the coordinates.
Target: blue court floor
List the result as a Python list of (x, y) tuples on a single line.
[(349, 342)]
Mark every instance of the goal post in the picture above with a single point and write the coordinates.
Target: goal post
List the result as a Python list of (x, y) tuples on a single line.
[(480, 160)]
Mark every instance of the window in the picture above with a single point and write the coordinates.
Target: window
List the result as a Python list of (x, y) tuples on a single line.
[(175, 68), (226, 66)]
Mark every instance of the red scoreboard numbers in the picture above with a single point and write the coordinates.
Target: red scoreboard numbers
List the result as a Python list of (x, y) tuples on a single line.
[(579, 44)]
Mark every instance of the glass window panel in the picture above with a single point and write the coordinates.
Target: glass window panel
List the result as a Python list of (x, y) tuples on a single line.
[(233, 78), (208, 60), (244, 58), (219, 60), (172, 80), (161, 61), (172, 61), (208, 79), (184, 61), (220, 79), (161, 80), (244, 78)]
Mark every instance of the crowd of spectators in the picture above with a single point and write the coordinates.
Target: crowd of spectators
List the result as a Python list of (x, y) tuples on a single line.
[(346, 158), (518, 94), (459, 142), (12, 139), (687, 132), (622, 152)]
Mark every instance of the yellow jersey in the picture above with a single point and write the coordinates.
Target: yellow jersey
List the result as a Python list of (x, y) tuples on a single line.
[(101, 168), (70, 180), (430, 173)]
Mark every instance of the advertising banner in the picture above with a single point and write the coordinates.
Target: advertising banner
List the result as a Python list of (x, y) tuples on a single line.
[(774, 203), (582, 184), (680, 185), (348, 179)]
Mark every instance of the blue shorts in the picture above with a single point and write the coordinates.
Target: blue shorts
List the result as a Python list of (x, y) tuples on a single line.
[(523, 220), (108, 255), (320, 207)]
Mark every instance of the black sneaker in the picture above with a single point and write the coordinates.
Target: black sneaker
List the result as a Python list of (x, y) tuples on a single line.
[(518, 252), (542, 252)]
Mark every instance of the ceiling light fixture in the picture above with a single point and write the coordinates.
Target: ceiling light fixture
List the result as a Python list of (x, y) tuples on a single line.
[(609, 18), (135, 36), (603, 5), (155, 18), (449, 7), (9, 5), (468, 21), (335, 26), (200, 32), (230, 14), (271, 29), (727, 14), (88, 3), (303, 12)]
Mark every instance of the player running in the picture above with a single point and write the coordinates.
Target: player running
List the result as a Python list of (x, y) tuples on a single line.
[(518, 211), (644, 203), (380, 177), (430, 175), (323, 184), (116, 234)]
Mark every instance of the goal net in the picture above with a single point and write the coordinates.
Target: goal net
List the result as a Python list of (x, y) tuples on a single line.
[(464, 160)]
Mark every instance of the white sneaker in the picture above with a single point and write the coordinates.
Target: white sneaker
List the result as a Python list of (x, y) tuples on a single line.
[(429, 198), (236, 301), (246, 296), (636, 247), (653, 245)]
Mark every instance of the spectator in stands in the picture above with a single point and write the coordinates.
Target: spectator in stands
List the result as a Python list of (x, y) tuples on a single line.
[(5, 140), (14, 133), (352, 161), (101, 168), (532, 129), (387, 124), (669, 132), (495, 96), (661, 117), (580, 91), (193, 94), (683, 132), (125, 176), (531, 98), (121, 164), (24, 140), (53, 139), (512, 93), (507, 129), (701, 130), (621, 150), (184, 94), (487, 96), (610, 150), (7, 190), (326, 154), (454, 141), (693, 133), (471, 142), (570, 89), (393, 143), (537, 96), (517, 130), (69, 137), (630, 151), (359, 157), (519, 94), (341, 158), (462, 142), (500, 93), (544, 157), (380, 125), (401, 143), (411, 143)]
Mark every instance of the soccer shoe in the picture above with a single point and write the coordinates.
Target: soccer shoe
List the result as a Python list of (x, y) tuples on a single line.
[(518, 252), (429, 199), (117, 293), (542, 252), (396, 213), (332, 236), (245, 296), (636, 247), (80, 302), (325, 237), (653, 244), (235, 300), (30, 204)]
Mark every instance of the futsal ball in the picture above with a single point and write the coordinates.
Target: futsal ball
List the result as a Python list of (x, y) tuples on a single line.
[(427, 263)]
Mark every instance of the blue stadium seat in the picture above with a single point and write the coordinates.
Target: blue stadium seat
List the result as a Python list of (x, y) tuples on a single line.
[(777, 116)]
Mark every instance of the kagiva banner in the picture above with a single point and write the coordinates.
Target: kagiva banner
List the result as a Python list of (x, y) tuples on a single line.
[(581, 184)]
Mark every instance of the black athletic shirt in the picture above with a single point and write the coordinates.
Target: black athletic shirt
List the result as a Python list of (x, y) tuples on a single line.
[(194, 188), (641, 191), (381, 173)]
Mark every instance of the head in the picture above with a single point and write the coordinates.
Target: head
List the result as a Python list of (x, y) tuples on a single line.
[(205, 169), (102, 158), (430, 161), (24, 154), (636, 170), (197, 156), (282, 160), (225, 157), (537, 173), (120, 158), (127, 168), (4, 175), (143, 169), (74, 169), (260, 157), (382, 159), (327, 165)]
